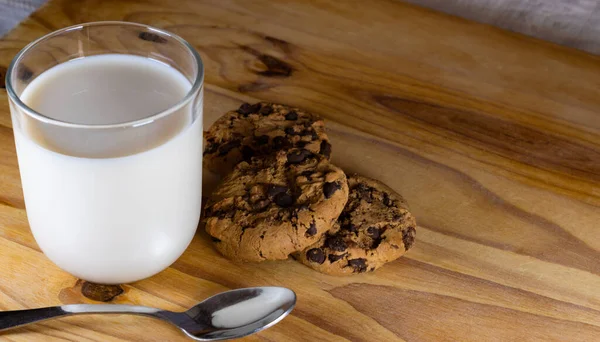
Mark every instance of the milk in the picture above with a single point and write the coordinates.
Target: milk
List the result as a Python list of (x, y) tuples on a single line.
[(111, 219)]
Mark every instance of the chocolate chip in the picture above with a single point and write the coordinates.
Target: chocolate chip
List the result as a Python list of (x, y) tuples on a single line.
[(325, 148), (307, 174), (244, 109), (290, 131), (366, 195), (152, 37), (262, 140), (371, 269), (214, 239), (247, 109), (395, 246), (211, 148), (316, 255), (397, 217), (221, 214), (305, 133), (336, 243), (298, 156), (283, 200), (313, 135), (373, 232), (101, 293), (279, 142), (408, 237), (227, 147), (291, 116), (330, 188), (344, 217), (312, 230), (364, 192), (256, 107), (333, 257), (247, 153), (266, 110), (362, 188), (276, 189), (207, 209), (386, 200), (359, 264), (351, 228)]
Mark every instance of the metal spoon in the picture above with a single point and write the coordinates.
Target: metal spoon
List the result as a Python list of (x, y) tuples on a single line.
[(227, 315)]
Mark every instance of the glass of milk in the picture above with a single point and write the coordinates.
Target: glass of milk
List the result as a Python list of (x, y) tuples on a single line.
[(107, 120)]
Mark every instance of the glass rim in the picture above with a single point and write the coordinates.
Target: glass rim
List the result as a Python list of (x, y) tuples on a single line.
[(198, 82)]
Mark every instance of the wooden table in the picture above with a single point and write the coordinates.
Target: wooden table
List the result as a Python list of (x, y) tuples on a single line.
[(492, 137)]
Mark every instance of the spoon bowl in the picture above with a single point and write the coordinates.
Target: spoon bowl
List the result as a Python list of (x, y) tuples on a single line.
[(227, 315), (235, 313)]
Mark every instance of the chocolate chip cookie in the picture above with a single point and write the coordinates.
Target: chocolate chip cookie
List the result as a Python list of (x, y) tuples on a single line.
[(275, 205), (261, 129), (374, 228)]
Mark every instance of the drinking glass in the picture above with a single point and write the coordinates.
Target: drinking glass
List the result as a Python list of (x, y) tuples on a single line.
[(110, 201)]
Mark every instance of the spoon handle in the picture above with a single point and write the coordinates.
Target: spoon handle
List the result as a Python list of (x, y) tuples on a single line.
[(17, 318)]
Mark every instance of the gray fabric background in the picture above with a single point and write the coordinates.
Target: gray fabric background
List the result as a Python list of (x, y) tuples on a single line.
[(574, 23), (13, 11)]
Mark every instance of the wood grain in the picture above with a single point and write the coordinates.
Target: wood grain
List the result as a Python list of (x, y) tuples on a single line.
[(574, 23), (493, 138)]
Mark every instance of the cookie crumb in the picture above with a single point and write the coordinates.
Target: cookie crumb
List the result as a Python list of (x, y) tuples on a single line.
[(101, 293)]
